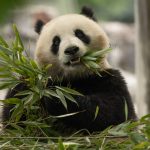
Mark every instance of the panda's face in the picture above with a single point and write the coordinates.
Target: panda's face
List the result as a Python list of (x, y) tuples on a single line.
[(64, 40)]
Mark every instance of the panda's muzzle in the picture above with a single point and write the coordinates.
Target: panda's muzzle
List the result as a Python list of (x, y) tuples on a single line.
[(73, 61), (72, 53)]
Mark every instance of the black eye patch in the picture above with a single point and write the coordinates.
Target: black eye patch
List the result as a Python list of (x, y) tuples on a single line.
[(82, 36), (55, 44)]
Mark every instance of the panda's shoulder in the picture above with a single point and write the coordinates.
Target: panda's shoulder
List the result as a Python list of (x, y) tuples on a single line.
[(108, 79), (112, 77), (112, 74)]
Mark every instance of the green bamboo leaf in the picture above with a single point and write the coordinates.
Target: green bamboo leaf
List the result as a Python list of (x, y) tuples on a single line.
[(69, 97), (96, 112), (68, 90), (11, 101), (62, 98), (101, 52), (60, 145), (119, 130), (18, 128), (5, 144), (137, 137), (35, 89), (66, 115), (144, 118), (93, 64), (33, 64), (89, 58), (4, 56), (36, 98), (51, 93), (22, 93), (18, 41), (35, 123), (5, 75), (19, 71), (48, 66), (17, 112), (29, 71), (3, 69), (28, 99), (3, 42), (98, 73), (7, 84), (5, 50), (126, 109)]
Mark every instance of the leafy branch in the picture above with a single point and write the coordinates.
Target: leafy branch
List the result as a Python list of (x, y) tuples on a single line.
[(92, 59), (15, 69)]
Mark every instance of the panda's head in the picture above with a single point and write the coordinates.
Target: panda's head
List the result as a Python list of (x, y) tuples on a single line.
[(65, 39)]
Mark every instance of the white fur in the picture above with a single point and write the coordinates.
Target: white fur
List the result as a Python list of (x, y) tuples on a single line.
[(64, 27)]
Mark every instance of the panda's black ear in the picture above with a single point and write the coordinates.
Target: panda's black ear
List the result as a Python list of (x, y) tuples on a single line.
[(88, 12), (38, 26)]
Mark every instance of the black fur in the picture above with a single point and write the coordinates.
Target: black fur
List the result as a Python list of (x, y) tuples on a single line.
[(88, 12), (55, 44), (108, 92), (38, 26), (82, 36)]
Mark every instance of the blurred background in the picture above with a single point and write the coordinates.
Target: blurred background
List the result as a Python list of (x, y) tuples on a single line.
[(122, 20)]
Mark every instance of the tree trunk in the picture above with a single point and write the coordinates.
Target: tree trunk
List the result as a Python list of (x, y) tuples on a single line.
[(142, 22)]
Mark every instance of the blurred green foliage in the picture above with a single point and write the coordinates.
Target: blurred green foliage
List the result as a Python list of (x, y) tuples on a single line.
[(6, 6), (121, 10)]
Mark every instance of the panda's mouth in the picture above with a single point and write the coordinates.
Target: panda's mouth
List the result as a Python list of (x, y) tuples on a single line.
[(73, 61)]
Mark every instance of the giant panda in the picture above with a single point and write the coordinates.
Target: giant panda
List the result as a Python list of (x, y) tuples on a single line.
[(62, 42)]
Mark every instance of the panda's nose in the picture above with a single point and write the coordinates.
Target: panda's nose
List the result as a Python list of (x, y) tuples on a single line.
[(71, 50)]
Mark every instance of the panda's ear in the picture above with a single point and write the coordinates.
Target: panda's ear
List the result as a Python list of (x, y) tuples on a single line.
[(38, 26), (88, 12), (40, 19)]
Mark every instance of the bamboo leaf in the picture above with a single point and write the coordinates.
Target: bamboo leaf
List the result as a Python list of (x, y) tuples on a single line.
[(17, 112), (62, 98), (68, 90), (69, 97), (18, 128), (89, 58), (11, 101), (101, 52), (33, 64), (3, 42), (4, 56), (5, 75), (96, 112), (51, 93), (22, 93), (60, 145), (27, 100), (48, 66), (66, 115), (35, 123), (18, 42), (126, 109), (8, 84), (93, 64), (5, 50)]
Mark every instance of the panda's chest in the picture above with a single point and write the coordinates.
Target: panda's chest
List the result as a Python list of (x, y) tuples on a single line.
[(86, 86)]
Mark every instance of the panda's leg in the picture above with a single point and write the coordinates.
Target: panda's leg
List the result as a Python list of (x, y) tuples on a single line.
[(110, 111)]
